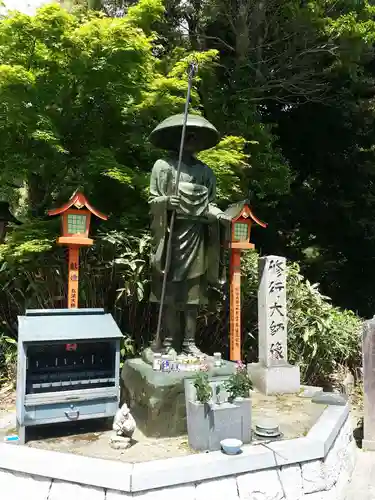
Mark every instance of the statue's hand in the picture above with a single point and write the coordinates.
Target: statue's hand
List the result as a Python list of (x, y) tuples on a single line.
[(174, 202)]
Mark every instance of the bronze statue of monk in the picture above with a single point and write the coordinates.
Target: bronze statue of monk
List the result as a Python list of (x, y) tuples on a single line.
[(196, 260)]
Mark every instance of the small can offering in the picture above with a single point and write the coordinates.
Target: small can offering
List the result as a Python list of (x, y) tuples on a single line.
[(217, 359), (156, 364)]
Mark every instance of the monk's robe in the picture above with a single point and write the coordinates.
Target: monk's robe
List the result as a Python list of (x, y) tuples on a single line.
[(197, 255)]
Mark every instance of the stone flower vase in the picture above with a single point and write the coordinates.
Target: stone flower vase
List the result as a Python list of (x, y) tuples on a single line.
[(210, 423)]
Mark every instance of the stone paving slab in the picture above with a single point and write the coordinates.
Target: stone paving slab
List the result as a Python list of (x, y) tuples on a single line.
[(362, 485), (7, 420)]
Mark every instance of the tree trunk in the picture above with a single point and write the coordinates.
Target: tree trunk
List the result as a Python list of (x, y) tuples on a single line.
[(94, 4), (36, 195)]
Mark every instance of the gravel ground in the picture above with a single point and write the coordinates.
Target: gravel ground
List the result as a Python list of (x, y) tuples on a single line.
[(294, 414)]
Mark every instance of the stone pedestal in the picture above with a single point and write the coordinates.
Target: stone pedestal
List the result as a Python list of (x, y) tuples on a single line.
[(157, 399), (273, 374), (282, 379), (368, 350)]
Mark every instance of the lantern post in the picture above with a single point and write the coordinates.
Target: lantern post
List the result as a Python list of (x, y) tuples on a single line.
[(239, 240), (75, 232)]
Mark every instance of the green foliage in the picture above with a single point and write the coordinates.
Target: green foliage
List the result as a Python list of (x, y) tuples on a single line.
[(127, 349), (34, 238), (320, 337), (8, 359), (144, 14), (202, 387), (229, 162), (80, 93)]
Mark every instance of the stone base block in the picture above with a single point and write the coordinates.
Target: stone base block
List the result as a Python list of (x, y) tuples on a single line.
[(157, 399), (282, 379), (309, 391), (330, 398), (368, 445)]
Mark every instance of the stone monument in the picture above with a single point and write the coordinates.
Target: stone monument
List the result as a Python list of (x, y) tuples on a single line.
[(273, 374), (368, 350), (196, 264)]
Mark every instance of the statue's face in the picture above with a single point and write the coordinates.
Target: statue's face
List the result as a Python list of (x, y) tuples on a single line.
[(190, 142)]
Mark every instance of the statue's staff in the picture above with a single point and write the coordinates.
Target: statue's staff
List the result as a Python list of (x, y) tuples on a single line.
[(191, 72)]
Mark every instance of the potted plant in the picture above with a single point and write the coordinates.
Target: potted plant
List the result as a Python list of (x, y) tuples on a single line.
[(204, 391), (202, 388), (239, 383)]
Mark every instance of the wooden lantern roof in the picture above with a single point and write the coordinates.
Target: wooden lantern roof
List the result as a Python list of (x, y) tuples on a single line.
[(78, 200), (243, 210)]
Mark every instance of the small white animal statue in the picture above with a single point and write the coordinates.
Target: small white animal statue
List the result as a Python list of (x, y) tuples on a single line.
[(123, 426), (123, 423)]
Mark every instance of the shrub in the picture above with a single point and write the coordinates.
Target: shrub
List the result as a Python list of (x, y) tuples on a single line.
[(321, 337), (115, 273)]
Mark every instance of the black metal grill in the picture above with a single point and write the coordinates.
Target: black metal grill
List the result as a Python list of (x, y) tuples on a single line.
[(62, 367)]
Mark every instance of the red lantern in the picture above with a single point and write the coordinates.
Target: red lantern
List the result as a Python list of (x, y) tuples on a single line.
[(75, 233), (242, 221)]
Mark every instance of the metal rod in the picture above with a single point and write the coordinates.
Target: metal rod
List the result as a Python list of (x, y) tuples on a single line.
[(192, 71)]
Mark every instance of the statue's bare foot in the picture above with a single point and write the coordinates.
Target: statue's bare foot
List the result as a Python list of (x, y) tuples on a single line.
[(148, 353), (157, 346), (192, 349), (170, 352)]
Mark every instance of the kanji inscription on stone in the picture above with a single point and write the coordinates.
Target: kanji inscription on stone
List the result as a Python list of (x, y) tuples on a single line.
[(272, 314)]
